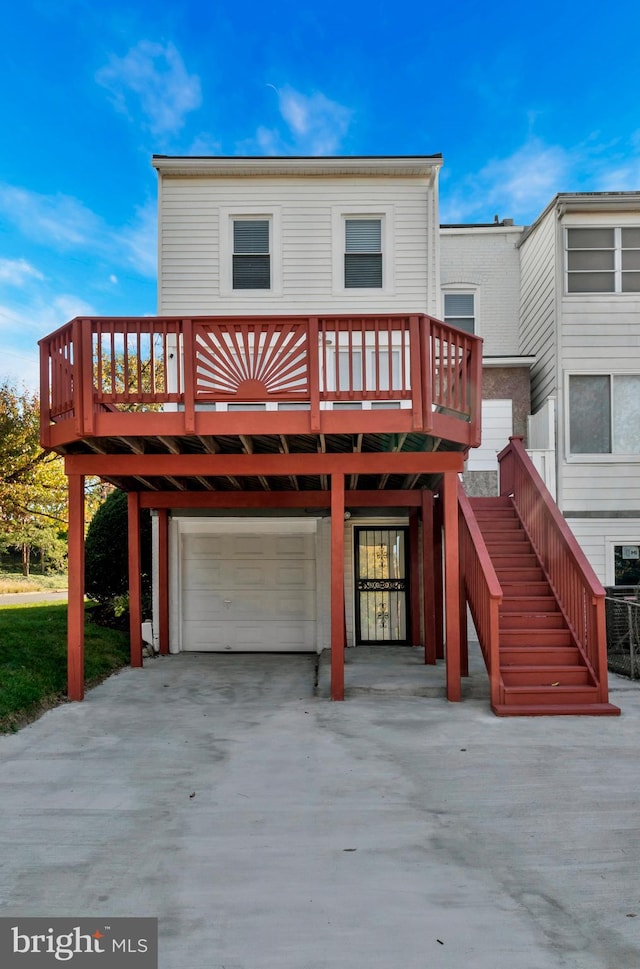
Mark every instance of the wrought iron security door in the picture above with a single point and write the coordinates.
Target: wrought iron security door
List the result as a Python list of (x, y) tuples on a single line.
[(382, 606)]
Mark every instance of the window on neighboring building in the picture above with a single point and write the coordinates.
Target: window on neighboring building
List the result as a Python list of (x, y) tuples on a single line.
[(626, 560), (604, 413), (251, 254), (363, 254), (603, 260), (459, 310)]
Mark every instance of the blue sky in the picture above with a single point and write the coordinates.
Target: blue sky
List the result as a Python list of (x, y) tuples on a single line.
[(523, 100)]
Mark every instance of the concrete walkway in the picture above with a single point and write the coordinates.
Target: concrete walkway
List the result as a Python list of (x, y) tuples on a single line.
[(268, 828)]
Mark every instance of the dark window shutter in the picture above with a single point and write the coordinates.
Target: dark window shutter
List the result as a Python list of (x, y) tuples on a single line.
[(459, 311), (251, 258), (363, 254), (458, 304)]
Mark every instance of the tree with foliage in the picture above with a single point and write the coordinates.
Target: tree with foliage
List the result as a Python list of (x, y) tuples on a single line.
[(107, 556), (129, 366), (33, 488)]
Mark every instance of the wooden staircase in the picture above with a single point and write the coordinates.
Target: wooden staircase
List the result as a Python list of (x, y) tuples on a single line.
[(542, 668)]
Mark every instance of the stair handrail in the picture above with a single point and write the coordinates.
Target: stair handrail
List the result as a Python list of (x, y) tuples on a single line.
[(482, 590), (577, 588)]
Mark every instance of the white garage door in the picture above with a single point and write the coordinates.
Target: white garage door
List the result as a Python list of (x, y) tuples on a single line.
[(248, 593)]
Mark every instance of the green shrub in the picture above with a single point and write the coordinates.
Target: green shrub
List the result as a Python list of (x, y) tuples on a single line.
[(107, 558)]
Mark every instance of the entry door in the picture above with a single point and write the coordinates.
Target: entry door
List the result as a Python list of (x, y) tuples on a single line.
[(382, 586)]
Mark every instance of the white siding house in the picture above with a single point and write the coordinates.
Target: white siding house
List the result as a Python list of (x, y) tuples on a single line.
[(581, 317), (305, 204), (298, 222)]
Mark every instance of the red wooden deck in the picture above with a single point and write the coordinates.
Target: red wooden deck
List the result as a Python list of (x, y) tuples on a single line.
[(168, 380), (269, 412)]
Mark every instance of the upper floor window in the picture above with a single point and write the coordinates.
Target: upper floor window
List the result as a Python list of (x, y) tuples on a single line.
[(603, 260), (363, 254), (604, 414), (251, 254), (459, 310)]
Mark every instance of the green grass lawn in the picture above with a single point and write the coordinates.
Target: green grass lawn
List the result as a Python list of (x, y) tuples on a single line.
[(33, 659), (12, 580)]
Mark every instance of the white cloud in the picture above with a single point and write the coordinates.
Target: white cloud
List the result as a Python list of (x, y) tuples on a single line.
[(314, 125), (61, 222), (60, 219), (530, 176), (138, 240), (15, 272), (204, 144), (624, 177), (153, 77), (64, 307), (42, 313), (20, 367), (518, 186), (22, 324)]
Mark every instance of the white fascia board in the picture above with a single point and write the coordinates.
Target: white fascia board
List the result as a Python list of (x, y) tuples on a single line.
[(480, 230), (425, 166), (565, 202), (598, 201), (508, 361)]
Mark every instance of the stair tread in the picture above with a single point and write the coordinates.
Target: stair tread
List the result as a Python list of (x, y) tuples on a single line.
[(538, 637), (537, 648), (557, 709), (516, 562), (543, 688), (544, 667), (519, 637)]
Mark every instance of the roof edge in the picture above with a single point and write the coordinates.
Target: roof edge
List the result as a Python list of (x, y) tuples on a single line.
[(239, 165), (565, 202)]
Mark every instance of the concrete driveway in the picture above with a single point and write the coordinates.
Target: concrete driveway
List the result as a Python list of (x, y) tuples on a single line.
[(268, 828)]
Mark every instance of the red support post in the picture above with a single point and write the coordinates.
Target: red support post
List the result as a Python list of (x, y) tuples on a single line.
[(78, 384), (189, 349), (475, 396), (163, 580), (462, 599), (86, 375), (414, 578), (426, 368), (75, 609), (415, 371), (428, 578), (452, 585), (45, 393), (337, 587), (313, 376), (438, 576), (135, 587)]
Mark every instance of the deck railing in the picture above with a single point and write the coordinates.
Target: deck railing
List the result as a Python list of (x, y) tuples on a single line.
[(576, 586), (124, 364), (483, 591)]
